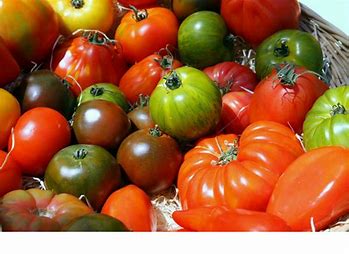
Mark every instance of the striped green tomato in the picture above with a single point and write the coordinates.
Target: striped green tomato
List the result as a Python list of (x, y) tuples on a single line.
[(186, 104)]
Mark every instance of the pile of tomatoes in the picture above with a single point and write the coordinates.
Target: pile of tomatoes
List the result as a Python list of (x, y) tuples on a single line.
[(109, 102)]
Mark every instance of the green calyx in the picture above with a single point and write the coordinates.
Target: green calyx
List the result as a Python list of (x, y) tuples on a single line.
[(281, 49), (139, 15), (97, 91), (155, 132), (97, 39), (287, 74), (338, 109), (80, 154), (173, 81), (229, 155), (78, 3)]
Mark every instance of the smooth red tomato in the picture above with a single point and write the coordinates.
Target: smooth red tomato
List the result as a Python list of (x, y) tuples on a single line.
[(232, 77), (255, 20), (10, 111), (223, 170), (313, 189), (12, 70), (286, 96), (139, 3), (143, 77), (38, 135), (144, 32), (132, 206), (87, 60), (10, 174), (221, 218)]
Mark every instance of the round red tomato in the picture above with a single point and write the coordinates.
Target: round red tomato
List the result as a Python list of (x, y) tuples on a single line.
[(10, 174), (144, 32), (142, 78), (286, 96), (256, 20), (89, 59), (232, 77), (132, 206), (38, 135)]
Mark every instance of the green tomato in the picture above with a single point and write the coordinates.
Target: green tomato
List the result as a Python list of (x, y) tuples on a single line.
[(327, 123), (184, 8), (186, 104), (87, 170), (203, 40), (292, 46), (104, 91)]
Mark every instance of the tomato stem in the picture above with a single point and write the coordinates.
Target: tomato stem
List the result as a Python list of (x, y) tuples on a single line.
[(281, 49), (80, 154), (229, 155), (155, 132), (97, 39), (173, 81), (78, 3), (287, 74), (338, 109), (139, 15), (97, 91)]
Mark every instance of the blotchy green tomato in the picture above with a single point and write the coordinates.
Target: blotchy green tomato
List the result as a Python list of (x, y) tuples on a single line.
[(327, 123), (292, 46), (184, 8)]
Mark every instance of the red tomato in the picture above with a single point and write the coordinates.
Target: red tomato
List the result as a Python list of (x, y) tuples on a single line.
[(12, 70), (89, 59), (132, 206), (314, 188), (232, 77), (38, 135), (286, 97), (143, 32), (234, 116), (143, 77), (138, 3), (221, 218), (220, 171), (258, 19), (10, 174)]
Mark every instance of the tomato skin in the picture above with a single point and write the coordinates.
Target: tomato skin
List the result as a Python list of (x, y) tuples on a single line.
[(292, 46), (206, 178), (138, 3), (201, 40), (326, 123), (186, 104), (10, 174), (12, 69), (132, 206), (84, 14), (142, 38), (313, 186), (10, 111), (39, 210), (221, 218), (243, 16), (232, 76), (140, 117), (36, 29), (184, 8), (77, 56), (43, 132), (142, 77), (287, 103), (94, 173), (151, 161)]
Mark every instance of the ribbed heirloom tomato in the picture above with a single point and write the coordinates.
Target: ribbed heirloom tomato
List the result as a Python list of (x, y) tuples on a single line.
[(221, 170)]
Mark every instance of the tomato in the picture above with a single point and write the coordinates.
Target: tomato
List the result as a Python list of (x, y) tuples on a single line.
[(102, 123), (12, 70), (104, 91), (138, 3), (96, 222), (292, 46), (186, 104), (234, 118), (144, 32), (132, 206), (38, 135), (89, 59), (203, 40), (314, 188), (10, 174), (84, 14), (286, 96), (10, 111), (39, 210), (254, 21), (150, 159), (184, 8), (231, 76), (142, 78), (327, 122), (223, 170), (42, 88), (140, 115), (87, 170), (29, 29), (221, 218)]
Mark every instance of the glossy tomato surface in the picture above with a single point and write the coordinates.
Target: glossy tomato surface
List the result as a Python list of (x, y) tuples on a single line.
[(10, 174)]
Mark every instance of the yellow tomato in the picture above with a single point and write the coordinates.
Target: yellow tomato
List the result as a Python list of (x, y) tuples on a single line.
[(10, 111), (84, 14)]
